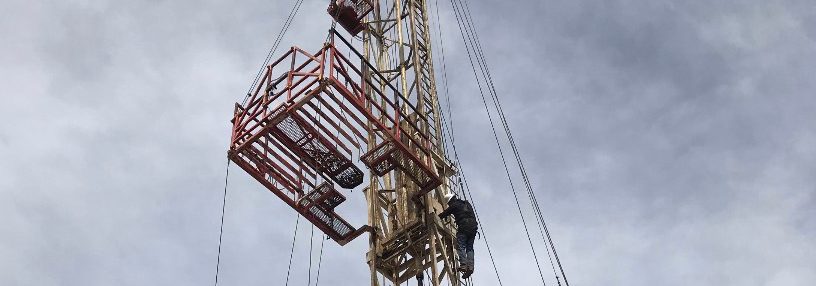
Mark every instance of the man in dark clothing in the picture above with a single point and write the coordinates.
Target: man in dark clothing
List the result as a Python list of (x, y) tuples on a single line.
[(466, 226)]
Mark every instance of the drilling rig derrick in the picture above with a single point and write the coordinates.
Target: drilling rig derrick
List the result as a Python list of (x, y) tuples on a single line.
[(318, 122)]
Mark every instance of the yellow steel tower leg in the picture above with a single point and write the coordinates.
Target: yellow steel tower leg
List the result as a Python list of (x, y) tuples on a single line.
[(408, 238)]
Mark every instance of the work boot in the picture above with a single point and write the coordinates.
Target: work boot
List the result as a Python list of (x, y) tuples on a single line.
[(467, 274)]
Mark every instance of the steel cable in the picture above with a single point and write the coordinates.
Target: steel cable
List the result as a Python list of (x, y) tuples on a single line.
[(274, 48), (465, 27), (497, 104), (292, 251), (494, 95), (320, 261), (221, 231), (465, 192), (309, 273)]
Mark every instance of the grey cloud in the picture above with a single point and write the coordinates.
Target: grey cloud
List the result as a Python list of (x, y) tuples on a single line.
[(669, 143)]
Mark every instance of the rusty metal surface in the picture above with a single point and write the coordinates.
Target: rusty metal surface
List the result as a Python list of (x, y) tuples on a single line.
[(303, 126)]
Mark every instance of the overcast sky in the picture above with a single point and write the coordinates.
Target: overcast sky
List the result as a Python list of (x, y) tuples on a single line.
[(668, 142)]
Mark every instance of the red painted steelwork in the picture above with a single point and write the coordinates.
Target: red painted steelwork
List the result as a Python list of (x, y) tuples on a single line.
[(304, 129), (350, 13)]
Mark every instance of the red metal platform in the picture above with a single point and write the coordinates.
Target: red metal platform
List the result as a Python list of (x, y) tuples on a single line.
[(350, 13), (307, 123)]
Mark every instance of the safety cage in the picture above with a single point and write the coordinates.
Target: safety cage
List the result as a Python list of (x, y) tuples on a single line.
[(350, 13), (312, 116)]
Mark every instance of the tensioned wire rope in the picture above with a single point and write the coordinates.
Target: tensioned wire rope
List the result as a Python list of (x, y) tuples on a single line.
[(320, 260), (498, 143), (480, 60), (309, 273), (497, 104), (221, 231), (465, 191), (486, 75), (287, 23), (292, 250), (473, 39), (476, 46)]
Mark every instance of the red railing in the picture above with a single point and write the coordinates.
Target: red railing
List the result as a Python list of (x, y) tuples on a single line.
[(309, 120), (350, 13)]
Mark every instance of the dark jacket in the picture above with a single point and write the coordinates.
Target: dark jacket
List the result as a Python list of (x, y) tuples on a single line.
[(462, 211)]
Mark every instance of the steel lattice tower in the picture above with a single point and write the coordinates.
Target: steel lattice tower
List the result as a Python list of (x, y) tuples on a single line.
[(315, 121), (410, 238)]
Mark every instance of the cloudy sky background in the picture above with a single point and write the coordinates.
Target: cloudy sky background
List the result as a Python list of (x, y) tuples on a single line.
[(668, 142)]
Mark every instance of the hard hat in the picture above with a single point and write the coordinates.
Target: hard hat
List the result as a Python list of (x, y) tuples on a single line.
[(448, 196)]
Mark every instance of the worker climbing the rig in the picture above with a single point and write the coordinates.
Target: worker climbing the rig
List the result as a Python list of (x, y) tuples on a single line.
[(466, 226)]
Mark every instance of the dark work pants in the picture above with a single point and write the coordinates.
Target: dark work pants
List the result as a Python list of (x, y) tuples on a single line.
[(464, 242)]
